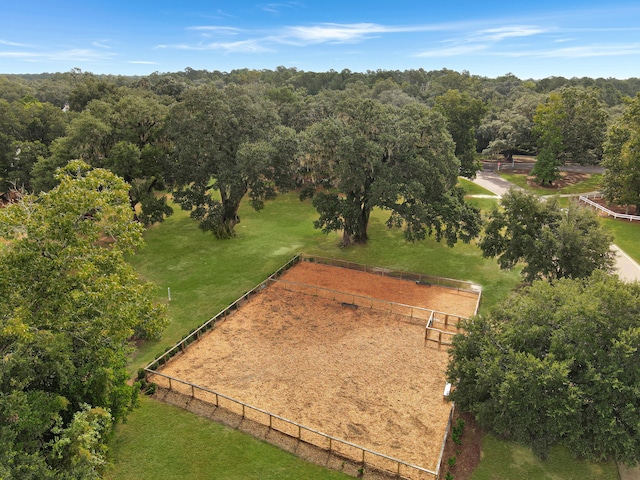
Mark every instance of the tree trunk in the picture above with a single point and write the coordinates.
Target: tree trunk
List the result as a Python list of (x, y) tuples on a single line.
[(360, 235), (229, 218), (346, 239)]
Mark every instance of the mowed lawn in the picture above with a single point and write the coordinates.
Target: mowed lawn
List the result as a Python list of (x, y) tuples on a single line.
[(626, 235), (205, 275)]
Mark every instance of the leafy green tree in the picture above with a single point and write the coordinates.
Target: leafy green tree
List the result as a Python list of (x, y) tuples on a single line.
[(69, 306), (572, 125), (548, 121), (585, 128), (551, 242), (556, 364), (400, 160), (228, 142), (125, 136), (621, 180), (463, 114), (508, 130), (88, 87)]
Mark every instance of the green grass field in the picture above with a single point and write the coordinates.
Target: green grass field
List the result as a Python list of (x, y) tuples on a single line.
[(160, 441), (508, 461), (626, 235), (205, 275), (473, 189)]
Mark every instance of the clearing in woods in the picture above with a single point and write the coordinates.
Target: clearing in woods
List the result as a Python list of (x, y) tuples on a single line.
[(359, 374)]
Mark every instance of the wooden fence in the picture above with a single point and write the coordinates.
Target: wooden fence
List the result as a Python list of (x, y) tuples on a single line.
[(308, 435), (459, 285), (305, 434), (414, 315), (587, 199)]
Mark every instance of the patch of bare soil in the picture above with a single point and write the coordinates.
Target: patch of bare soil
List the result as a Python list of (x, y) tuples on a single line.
[(363, 375), (566, 179), (630, 210), (462, 458)]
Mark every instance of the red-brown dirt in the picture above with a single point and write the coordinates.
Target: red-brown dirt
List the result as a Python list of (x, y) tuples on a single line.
[(362, 375)]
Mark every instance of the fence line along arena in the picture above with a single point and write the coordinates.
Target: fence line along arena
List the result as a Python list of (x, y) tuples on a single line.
[(354, 357)]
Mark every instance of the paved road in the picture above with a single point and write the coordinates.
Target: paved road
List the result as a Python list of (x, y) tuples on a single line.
[(627, 268)]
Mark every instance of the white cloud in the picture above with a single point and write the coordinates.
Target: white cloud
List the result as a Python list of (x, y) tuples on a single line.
[(242, 46), (217, 29), (583, 51), (143, 62), (76, 55), (276, 7), (515, 31), (12, 44), (452, 51), (345, 33), (101, 44)]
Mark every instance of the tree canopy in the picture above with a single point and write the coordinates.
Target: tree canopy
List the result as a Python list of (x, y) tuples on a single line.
[(551, 242), (398, 159), (621, 180), (69, 305), (557, 364), (228, 142), (571, 126), (463, 114)]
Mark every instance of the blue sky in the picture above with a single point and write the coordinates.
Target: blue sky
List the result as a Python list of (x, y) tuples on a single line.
[(535, 39)]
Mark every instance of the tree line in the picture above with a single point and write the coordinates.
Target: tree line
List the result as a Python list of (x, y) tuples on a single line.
[(214, 137)]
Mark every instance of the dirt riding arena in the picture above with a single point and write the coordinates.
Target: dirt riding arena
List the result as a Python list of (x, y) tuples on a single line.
[(325, 361)]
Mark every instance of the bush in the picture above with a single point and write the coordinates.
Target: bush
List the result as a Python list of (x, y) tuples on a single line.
[(456, 431)]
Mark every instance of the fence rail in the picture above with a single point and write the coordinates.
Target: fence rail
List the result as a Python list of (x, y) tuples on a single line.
[(332, 444), (416, 315), (587, 199), (288, 427), (459, 285)]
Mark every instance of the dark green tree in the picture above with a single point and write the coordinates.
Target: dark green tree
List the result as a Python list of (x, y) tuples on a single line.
[(548, 121), (228, 143), (400, 160), (463, 114), (556, 364), (572, 124), (552, 243), (621, 180)]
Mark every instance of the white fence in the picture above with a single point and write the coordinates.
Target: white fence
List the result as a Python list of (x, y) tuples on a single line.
[(587, 199)]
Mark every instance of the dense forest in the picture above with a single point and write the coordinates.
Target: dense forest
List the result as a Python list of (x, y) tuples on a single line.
[(145, 130)]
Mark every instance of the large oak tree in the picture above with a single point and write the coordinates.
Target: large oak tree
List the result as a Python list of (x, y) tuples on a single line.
[(621, 180), (368, 155), (552, 243), (228, 143)]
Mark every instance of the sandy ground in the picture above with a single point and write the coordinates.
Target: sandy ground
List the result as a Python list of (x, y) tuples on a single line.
[(362, 375)]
